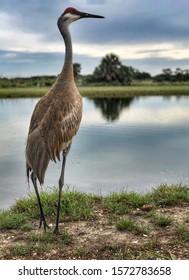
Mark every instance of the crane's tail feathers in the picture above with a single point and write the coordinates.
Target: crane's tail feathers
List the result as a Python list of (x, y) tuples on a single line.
[(28, 170), (37, 159)]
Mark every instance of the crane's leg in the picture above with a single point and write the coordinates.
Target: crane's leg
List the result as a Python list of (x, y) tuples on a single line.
[(61, 184), (42, 216)]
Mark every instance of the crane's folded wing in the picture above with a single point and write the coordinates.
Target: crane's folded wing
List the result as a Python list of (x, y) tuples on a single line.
[(59, 126)]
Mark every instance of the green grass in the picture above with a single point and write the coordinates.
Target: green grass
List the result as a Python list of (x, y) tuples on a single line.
[(119, 213), (169, 195), (102, 91), (22, 250), (129, 224), (74, 205), (160, 220), (120, 203), (130, 91), (22, 92), (80, 251), (49, 237), (10, 220), (182, 233), (40, 243)]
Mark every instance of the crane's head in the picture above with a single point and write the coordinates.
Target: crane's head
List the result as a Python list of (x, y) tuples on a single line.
[(71, 14)]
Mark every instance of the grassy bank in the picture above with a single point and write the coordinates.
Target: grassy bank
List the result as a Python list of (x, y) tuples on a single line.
[(124, 225), (105, 91)]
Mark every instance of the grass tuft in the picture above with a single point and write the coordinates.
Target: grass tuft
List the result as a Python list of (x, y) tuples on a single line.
[(160, 220), (50, 237), (21, 250), (120, 203), (131, 225), (74, 205), (10, 220), (40, 243), (169, 195), (182, 233)]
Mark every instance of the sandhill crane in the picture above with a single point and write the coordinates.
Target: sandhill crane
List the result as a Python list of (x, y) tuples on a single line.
[(55, 119)]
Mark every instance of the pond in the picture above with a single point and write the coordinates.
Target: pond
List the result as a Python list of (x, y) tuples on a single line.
[(128, 143)]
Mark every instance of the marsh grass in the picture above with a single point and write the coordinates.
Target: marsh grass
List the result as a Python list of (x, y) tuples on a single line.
[(103, 91)]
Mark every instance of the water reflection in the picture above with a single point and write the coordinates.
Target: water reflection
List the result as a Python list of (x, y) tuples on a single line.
[(178, 97), (111, 108)]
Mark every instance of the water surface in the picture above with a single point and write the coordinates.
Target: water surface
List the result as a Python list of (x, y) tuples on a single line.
[(131, 143)]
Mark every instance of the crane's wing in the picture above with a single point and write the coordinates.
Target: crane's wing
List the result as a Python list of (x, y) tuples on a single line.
[(39, 111), (60, 124)]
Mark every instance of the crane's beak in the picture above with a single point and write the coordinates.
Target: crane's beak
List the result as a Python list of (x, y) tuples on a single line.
[(86, 15)]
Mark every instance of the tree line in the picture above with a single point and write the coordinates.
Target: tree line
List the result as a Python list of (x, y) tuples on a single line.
[(110, 71)]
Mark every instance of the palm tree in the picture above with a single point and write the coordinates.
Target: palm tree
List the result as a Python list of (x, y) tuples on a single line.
[(111, 108), (108, 70)]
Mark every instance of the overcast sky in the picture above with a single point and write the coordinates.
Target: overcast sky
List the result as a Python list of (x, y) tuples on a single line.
[(147, 34)]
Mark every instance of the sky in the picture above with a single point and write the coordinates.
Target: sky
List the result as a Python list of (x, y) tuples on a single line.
[(149, 35)]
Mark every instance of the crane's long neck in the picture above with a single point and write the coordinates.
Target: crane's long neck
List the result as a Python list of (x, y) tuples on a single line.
[(67, 70)]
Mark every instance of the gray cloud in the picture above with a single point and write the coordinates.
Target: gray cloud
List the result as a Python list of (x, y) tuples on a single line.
[(142, 23), (136, 23), (135, 29), (26, 64), (126, 23)]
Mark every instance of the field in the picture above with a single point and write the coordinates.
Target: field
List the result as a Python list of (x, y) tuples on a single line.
[(124, 225), (103, 91)]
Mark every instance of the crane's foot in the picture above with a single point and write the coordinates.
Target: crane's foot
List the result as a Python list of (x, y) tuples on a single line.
[(56, 231), (44, 223)]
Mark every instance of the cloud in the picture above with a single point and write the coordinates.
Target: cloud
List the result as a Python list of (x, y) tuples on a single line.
[(40, 63), (14, 38), (34, 42), (164, 115), (135, 30)]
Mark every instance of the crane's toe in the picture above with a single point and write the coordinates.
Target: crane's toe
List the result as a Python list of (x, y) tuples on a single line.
[(44, 223), (56, 231)]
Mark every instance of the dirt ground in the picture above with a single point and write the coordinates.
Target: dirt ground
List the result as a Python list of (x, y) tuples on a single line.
[(100, 239)]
